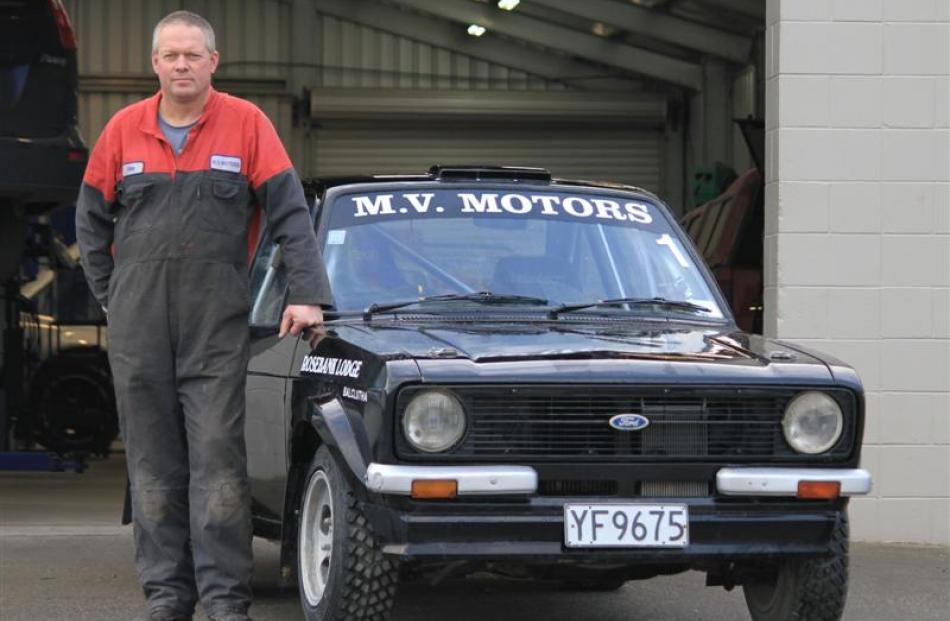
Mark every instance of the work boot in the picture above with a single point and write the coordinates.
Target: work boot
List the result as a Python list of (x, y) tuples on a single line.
[(164, 614)]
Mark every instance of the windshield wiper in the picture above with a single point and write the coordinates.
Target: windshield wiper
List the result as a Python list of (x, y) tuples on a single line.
[(661, 302), (480, 297)]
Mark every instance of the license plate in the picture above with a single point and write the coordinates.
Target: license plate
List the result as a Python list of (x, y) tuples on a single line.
[(634, 525)]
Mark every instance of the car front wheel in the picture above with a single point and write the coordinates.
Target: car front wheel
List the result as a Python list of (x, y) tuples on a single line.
[(804, 589), (341, 571)]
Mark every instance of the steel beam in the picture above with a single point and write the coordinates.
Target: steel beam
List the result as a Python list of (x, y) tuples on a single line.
[(752, 8), (441, 34), (148, 84), (623, 108), (589, 46), (657, 25)]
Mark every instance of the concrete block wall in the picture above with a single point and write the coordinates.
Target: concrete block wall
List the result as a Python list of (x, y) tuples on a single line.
[(857, 239)]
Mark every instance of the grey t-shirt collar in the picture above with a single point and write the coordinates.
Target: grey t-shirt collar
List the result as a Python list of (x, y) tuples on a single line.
[(174, 134)]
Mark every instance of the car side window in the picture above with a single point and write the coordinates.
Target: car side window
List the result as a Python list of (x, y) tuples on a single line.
[(268, 280), (268, 285)]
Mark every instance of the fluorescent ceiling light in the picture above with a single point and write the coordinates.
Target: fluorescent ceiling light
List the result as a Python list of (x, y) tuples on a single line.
[(508, 5), (603, 30), (475, 30)]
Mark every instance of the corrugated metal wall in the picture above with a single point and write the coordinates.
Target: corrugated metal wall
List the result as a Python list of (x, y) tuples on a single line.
[(620, 153), (353, 55), (261, 60), (115, 37), (95, 108), (115, 41), (255, 41)]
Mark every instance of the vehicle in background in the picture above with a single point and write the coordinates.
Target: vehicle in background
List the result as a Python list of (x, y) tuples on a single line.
[(42, 152), (69, 402), (43, 159), (727, 231)]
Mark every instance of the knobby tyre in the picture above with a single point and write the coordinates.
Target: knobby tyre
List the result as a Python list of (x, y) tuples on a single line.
[(341, 571), (805, 590)]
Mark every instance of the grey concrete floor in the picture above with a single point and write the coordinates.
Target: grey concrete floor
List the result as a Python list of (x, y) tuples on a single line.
[(64, 556)]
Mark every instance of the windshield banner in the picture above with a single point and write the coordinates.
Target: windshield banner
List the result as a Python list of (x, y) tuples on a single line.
[(372, 208)]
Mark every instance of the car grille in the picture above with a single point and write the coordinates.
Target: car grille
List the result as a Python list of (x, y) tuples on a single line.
[(545, 423), (675, 489), (651, 489), (573, 487)]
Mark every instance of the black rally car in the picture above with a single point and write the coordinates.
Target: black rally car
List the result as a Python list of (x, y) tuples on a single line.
[(538, 378)]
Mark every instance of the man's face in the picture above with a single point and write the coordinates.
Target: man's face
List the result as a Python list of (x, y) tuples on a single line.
[(183, 63)]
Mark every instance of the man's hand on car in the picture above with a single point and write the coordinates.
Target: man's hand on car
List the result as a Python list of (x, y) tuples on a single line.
[(297, 317)]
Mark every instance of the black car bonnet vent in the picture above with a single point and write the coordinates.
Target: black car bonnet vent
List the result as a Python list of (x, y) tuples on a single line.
[(488, 173)]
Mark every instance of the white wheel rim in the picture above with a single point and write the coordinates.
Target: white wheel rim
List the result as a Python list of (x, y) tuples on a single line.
[(315, 547), (766, 595)]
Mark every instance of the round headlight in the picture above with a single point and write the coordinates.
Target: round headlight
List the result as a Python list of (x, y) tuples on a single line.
[(434, 421), (812, 423)]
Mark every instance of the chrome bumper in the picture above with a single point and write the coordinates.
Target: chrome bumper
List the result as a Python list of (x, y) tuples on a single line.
[(472, 480), (482, 480), (784, 481)]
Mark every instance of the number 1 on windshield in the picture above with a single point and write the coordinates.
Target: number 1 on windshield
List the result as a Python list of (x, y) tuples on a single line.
[(666, 240)]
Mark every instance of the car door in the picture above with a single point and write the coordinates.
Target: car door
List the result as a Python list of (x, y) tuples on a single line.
[(268, 368)]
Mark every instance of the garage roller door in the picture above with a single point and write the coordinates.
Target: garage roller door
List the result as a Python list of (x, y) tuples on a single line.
[(606, 153)]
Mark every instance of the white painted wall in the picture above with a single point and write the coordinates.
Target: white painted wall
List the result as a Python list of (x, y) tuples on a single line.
[(857, 237)]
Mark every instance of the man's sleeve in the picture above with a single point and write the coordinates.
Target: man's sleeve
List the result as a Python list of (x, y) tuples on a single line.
[(94, 216), (280, 194)]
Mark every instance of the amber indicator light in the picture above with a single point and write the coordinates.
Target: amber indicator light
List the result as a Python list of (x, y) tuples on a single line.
[(821, 490), (447, 488)]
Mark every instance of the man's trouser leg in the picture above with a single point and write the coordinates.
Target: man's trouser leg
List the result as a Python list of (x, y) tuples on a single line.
[(211, 361), (140, 352)]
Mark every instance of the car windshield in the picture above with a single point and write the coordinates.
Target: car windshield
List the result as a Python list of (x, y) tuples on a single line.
[(565, 247)]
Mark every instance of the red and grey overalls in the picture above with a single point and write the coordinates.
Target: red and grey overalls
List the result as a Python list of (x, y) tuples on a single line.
[(164, 243)]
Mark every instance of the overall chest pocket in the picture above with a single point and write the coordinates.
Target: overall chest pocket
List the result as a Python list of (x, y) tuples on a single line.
[(138, 209), (223, 206)]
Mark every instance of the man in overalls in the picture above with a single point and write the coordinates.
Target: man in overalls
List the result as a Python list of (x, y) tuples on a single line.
[(172, 187)]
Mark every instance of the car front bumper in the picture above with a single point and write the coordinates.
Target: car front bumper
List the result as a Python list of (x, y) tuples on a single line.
[(496, 517), (523, 480)]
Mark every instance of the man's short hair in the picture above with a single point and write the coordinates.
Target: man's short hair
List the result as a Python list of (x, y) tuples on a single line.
[(189, 19)]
